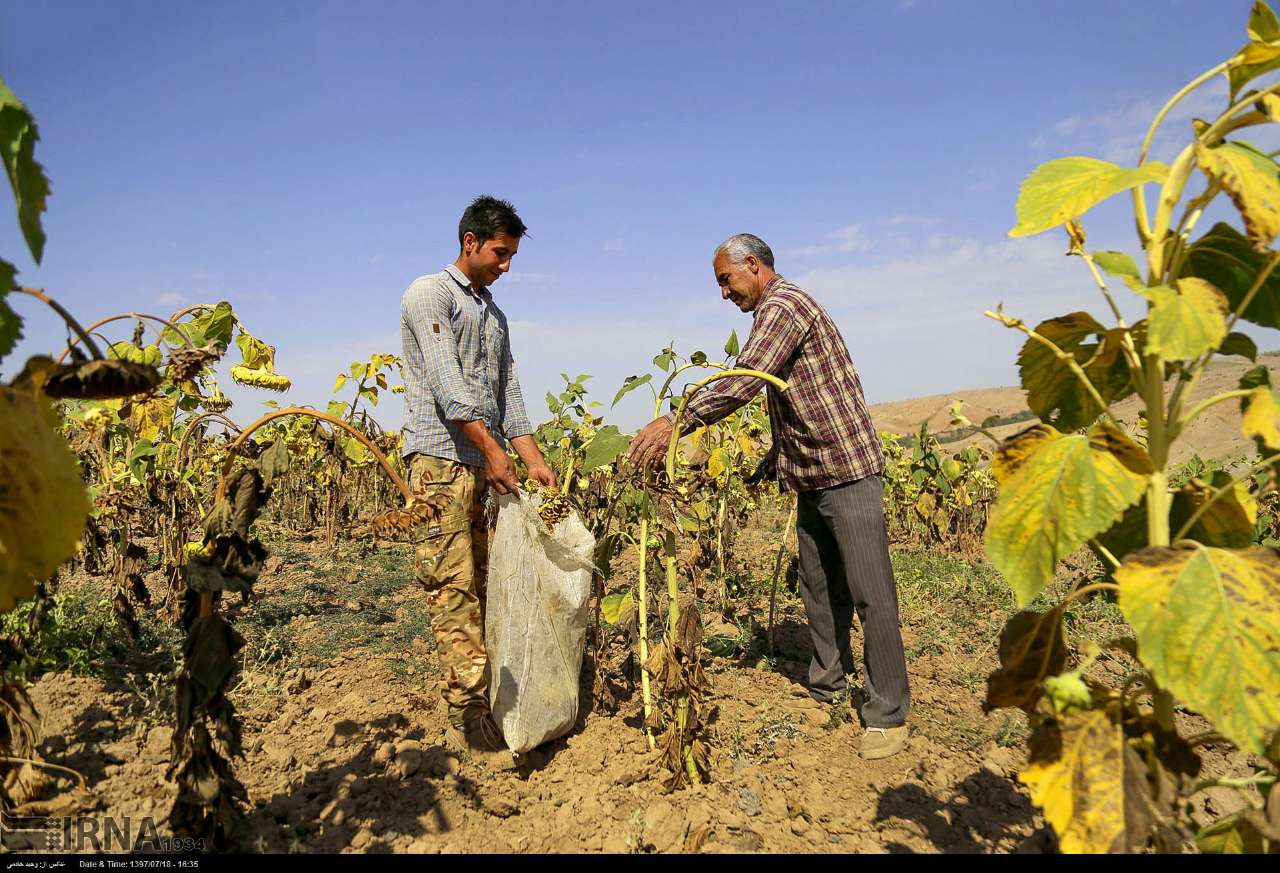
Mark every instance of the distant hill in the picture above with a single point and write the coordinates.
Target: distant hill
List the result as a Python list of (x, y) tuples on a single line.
[(1215, 433)]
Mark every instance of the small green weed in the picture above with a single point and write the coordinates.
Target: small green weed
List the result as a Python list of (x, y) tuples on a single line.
[(79, 633)]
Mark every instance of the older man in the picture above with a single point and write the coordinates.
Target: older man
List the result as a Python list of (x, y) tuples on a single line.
[(826, 449), (462, 398)]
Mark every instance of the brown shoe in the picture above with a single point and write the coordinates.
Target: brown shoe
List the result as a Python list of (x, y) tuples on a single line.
[(479, 738), (883, 742)]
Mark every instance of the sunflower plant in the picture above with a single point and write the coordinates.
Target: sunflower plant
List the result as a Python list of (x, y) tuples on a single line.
[(1112, 767)]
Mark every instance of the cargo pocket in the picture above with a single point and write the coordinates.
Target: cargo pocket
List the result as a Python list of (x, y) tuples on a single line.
[(443, 543)]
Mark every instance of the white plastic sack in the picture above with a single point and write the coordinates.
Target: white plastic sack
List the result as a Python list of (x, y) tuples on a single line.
[(538, 604)]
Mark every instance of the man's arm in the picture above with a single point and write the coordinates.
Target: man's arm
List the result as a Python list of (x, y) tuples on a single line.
[(529, 452), (774, 338), (499, 472), (515, 421), (428, 318)]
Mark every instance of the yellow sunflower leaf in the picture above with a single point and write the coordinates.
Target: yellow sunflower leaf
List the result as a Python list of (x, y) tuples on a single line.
[(1056, 493), (1252, 181), (1081, 790), (1208, 627), (43, 505)]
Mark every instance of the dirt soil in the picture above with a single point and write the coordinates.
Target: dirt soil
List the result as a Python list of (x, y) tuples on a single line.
[(345, 750)]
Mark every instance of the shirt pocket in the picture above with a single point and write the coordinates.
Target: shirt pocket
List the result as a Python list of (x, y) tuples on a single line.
[(496, 340)]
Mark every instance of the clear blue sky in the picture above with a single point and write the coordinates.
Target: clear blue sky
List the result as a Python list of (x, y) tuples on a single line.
[(307, 160)]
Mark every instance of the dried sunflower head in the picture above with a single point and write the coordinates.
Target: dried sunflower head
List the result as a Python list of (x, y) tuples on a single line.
[(554, 507), (101, 380), (215, 402), (398, 522), (185, 364)]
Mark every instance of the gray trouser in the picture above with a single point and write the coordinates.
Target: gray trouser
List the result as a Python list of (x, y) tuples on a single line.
[(844, 565)]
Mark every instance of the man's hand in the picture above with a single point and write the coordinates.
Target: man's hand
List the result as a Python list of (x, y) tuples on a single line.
[(528, 451), (500, 473), (650, 445), (766, 469), (541, 473)]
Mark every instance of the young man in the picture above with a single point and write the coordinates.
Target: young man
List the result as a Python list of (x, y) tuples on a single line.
[(826, 449), (462, 401)]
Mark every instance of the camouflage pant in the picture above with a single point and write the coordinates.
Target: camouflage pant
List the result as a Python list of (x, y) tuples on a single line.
[(452, 564)]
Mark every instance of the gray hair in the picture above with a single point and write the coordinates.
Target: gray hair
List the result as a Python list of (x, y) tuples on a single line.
[(738, 246)]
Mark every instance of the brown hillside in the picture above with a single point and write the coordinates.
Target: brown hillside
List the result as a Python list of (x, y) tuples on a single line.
[(1215, 433)]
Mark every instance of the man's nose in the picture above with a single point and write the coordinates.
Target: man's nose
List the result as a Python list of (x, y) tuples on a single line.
[(724, 292), (504, 266)]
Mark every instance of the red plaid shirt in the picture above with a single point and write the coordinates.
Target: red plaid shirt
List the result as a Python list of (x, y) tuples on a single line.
[(822, 431)]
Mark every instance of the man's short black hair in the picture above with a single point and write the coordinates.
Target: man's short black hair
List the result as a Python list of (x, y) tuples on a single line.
[(487, 217)]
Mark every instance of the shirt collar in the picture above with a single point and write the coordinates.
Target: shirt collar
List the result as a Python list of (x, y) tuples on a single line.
[(768, 289), (461, 278)]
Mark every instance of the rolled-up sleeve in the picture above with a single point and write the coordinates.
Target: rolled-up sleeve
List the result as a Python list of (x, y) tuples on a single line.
[(774, 338), (427, 317), (515, 419)]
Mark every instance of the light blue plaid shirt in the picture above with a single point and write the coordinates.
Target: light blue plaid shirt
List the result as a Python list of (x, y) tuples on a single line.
[(457, 368)]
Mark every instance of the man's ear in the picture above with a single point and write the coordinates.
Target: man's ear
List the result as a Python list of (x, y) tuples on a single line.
[(752, 263), (469, 242)]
